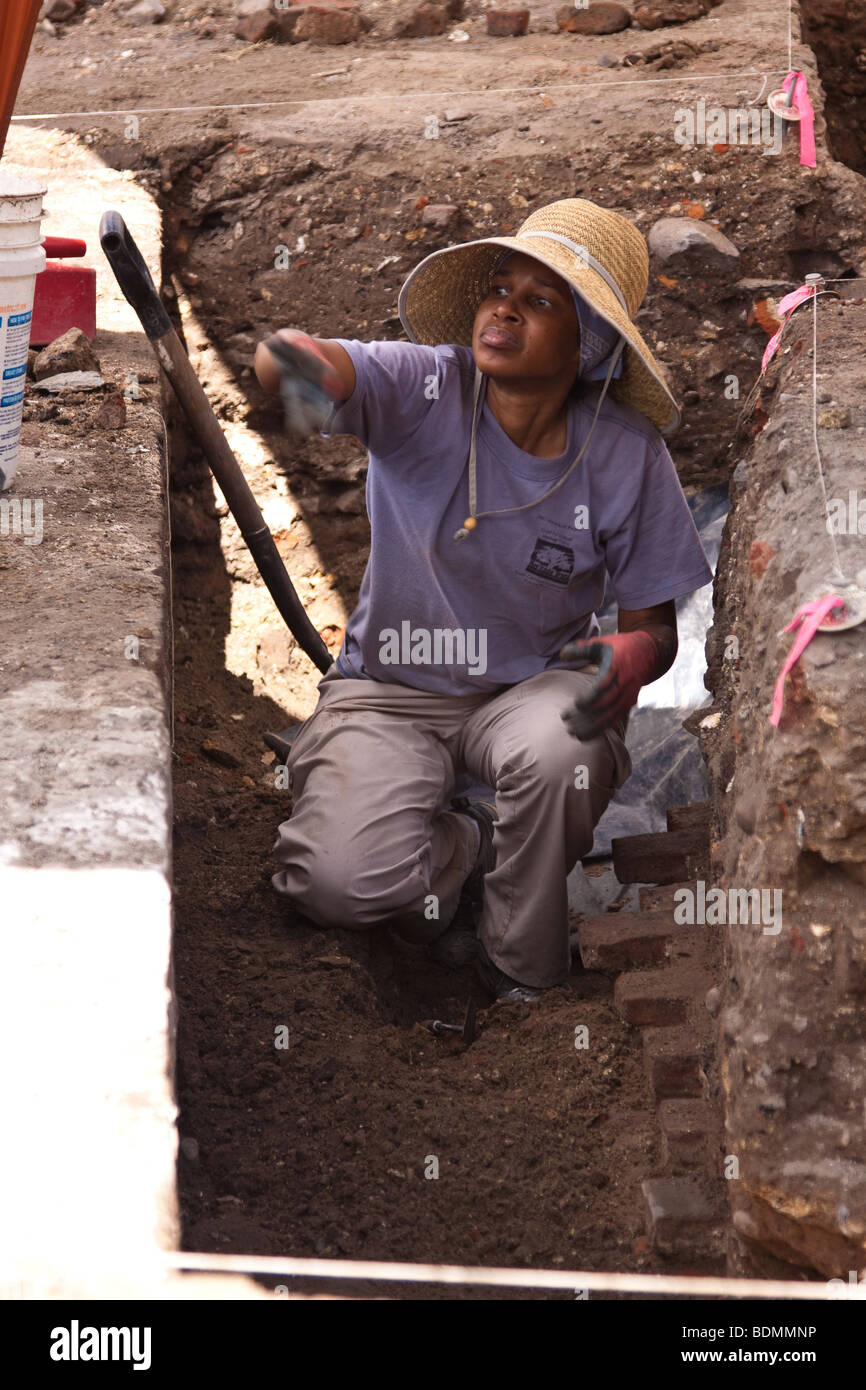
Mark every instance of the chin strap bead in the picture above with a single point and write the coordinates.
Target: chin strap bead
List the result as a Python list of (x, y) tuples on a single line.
[(469, 525)]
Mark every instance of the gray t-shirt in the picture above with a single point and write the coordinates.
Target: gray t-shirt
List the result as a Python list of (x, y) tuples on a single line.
[(475, 615)]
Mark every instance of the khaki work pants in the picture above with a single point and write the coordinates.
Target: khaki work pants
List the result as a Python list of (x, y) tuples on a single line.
[(371, 838)]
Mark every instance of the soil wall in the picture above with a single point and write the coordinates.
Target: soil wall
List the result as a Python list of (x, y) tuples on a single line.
[(791, 808)]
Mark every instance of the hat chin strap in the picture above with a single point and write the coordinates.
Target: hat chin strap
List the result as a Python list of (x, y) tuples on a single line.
[(472, 519), (586, 256)]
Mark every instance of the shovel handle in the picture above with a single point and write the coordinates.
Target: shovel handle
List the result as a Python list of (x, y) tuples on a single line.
[(138, 288), (132, 275)]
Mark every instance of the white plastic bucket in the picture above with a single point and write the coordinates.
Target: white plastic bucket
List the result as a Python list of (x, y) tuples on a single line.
[(20, 210), (21, 260)]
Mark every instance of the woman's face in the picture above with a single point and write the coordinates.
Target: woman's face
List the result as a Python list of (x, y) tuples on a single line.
[(527, 327)]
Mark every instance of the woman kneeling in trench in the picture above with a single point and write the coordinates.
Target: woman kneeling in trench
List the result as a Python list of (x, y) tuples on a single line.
[(502, 485)]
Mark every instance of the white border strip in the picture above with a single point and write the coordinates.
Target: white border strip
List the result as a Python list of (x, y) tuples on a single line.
[(573, 1280)]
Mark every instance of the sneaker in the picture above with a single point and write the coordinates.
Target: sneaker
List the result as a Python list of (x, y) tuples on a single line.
[(501, 986), (456, 946)]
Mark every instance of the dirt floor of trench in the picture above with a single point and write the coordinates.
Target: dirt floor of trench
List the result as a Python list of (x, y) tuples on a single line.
[(321, 1147)]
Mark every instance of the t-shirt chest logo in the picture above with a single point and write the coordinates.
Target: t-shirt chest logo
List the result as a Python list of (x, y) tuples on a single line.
[(550, 560)]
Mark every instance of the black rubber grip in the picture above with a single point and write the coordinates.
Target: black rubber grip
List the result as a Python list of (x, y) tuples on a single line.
[(132, 275)]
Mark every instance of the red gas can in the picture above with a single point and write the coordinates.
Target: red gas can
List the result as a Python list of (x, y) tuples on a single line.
[(65, 294)]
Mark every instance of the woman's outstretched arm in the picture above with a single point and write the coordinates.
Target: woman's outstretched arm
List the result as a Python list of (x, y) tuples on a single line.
[(339, 379)]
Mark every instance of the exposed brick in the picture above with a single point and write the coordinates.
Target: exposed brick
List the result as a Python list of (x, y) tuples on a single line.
[(687, 1128), (599, 17), (504, 24), (694, 813), (656, 997), (665, 857), (673, 1061), (686, 1216), (660, 897), (613, 942)]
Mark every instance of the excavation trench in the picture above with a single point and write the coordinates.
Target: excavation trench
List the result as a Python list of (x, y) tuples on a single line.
[(836, 33), (324, 1146), (321, 1148)]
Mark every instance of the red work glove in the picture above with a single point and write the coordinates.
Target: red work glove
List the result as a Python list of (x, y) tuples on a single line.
[(626, 660)]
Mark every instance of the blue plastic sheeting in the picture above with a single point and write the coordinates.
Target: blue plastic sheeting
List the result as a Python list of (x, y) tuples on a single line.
[(668, 769)]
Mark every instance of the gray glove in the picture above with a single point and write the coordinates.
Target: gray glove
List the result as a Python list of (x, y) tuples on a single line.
[(306, 403)]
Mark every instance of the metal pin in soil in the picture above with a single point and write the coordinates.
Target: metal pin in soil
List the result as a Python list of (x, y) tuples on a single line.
[(781, 103), (466, 1030)]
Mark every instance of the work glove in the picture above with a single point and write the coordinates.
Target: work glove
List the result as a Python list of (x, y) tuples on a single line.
[(308, 383), (626, 661)]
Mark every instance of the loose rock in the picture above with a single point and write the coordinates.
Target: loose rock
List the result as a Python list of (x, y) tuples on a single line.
[(71, 352), (111, 414), (218, 755), (70, 381), (654, 13), (58, 9), (836, 419), (599, 17), (257, 26), (672, 235), (144, 12), (321, 24), (505, 24), (440, 215), (425, 21)]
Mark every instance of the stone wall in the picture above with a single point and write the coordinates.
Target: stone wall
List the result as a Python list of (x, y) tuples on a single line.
[(791, 811)]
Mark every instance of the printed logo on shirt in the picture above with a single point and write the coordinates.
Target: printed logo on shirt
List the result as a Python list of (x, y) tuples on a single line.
[(549, 560)]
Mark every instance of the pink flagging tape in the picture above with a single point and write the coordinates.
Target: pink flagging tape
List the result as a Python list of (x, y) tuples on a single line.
[(786, 306), (811, 615), (807, 121)]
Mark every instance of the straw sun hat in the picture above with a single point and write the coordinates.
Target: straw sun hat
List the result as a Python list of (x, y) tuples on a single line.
[(599, 253)]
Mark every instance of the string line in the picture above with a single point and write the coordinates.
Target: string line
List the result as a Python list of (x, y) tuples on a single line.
[(403, 96)]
